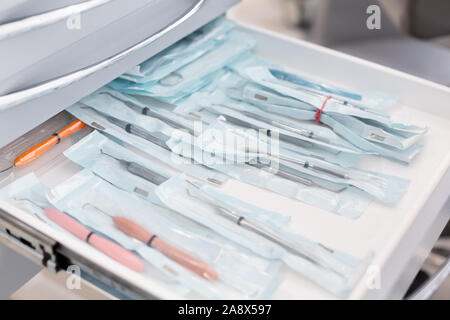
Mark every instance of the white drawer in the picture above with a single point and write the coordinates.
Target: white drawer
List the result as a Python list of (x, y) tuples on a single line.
[(25, 45), (400, 235)]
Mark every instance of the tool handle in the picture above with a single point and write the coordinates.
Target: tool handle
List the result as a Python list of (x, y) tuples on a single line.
[(330, 172), (117, 253), (109, 248), (132, 229), (195, 265), (145, 173), (45, 145)]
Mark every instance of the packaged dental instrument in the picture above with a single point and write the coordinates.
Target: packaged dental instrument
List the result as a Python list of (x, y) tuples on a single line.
[(208, 107), (31, 197), (181, 53), (281, 82), (185, 79), (342, 153), (333, 270), (130, 172), (160, 151), (151, 129), (29, 194), (153, 108), (20, 152), (378, 135), (268, 173), (386, 188), (259, 95), (224, 267), (274, 103), (98, 153), (364, 100), (316, 191)]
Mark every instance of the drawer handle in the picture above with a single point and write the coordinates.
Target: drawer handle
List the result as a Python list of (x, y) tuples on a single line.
[(15, 28), (10, 100), (427, 289)]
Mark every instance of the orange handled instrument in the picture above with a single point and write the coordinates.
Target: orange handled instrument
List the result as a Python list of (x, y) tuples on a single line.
[(40, 148), (195, 265)]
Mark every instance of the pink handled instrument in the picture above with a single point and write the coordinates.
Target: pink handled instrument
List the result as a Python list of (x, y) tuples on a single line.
[(109, 248)]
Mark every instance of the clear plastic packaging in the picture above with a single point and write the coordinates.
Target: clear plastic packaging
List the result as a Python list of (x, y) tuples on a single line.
[(280, 82), (207, 107), (187, 78), (99, 122), (94, 202), (335, 271), (181, 53), (29, 194), (285, 108), (10, 152), (365, 100), (124, 169)]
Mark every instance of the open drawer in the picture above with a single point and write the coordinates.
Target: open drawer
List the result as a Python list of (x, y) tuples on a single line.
[(400, 235)]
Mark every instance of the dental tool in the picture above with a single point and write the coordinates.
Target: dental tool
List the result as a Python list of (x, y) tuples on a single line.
[(134, 129), (156, 138), (283, 172), (245, 124), (40, 206), (255, 228), (104, 245), (317, 90), (139, 233), (147, 112), (303, 132), (158, 179), (138, 131), (36, 151)]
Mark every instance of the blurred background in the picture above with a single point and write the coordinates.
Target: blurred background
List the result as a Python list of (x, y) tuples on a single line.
[(414, 35)]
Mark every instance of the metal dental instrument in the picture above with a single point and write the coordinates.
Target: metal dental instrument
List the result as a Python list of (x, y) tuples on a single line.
[(151, 240), (248, 225), (147, 112), (34, 204), (158, 179), (333, 98), (245, 124), (306, 133), (287, 175), (134, 130), (306, 164), (283, 172), (139, 170), (144, 134), (156, 138), (37, 150), (303, 132)]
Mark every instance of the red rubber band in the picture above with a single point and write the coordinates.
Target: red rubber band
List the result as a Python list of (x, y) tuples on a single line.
[(319, 111)]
